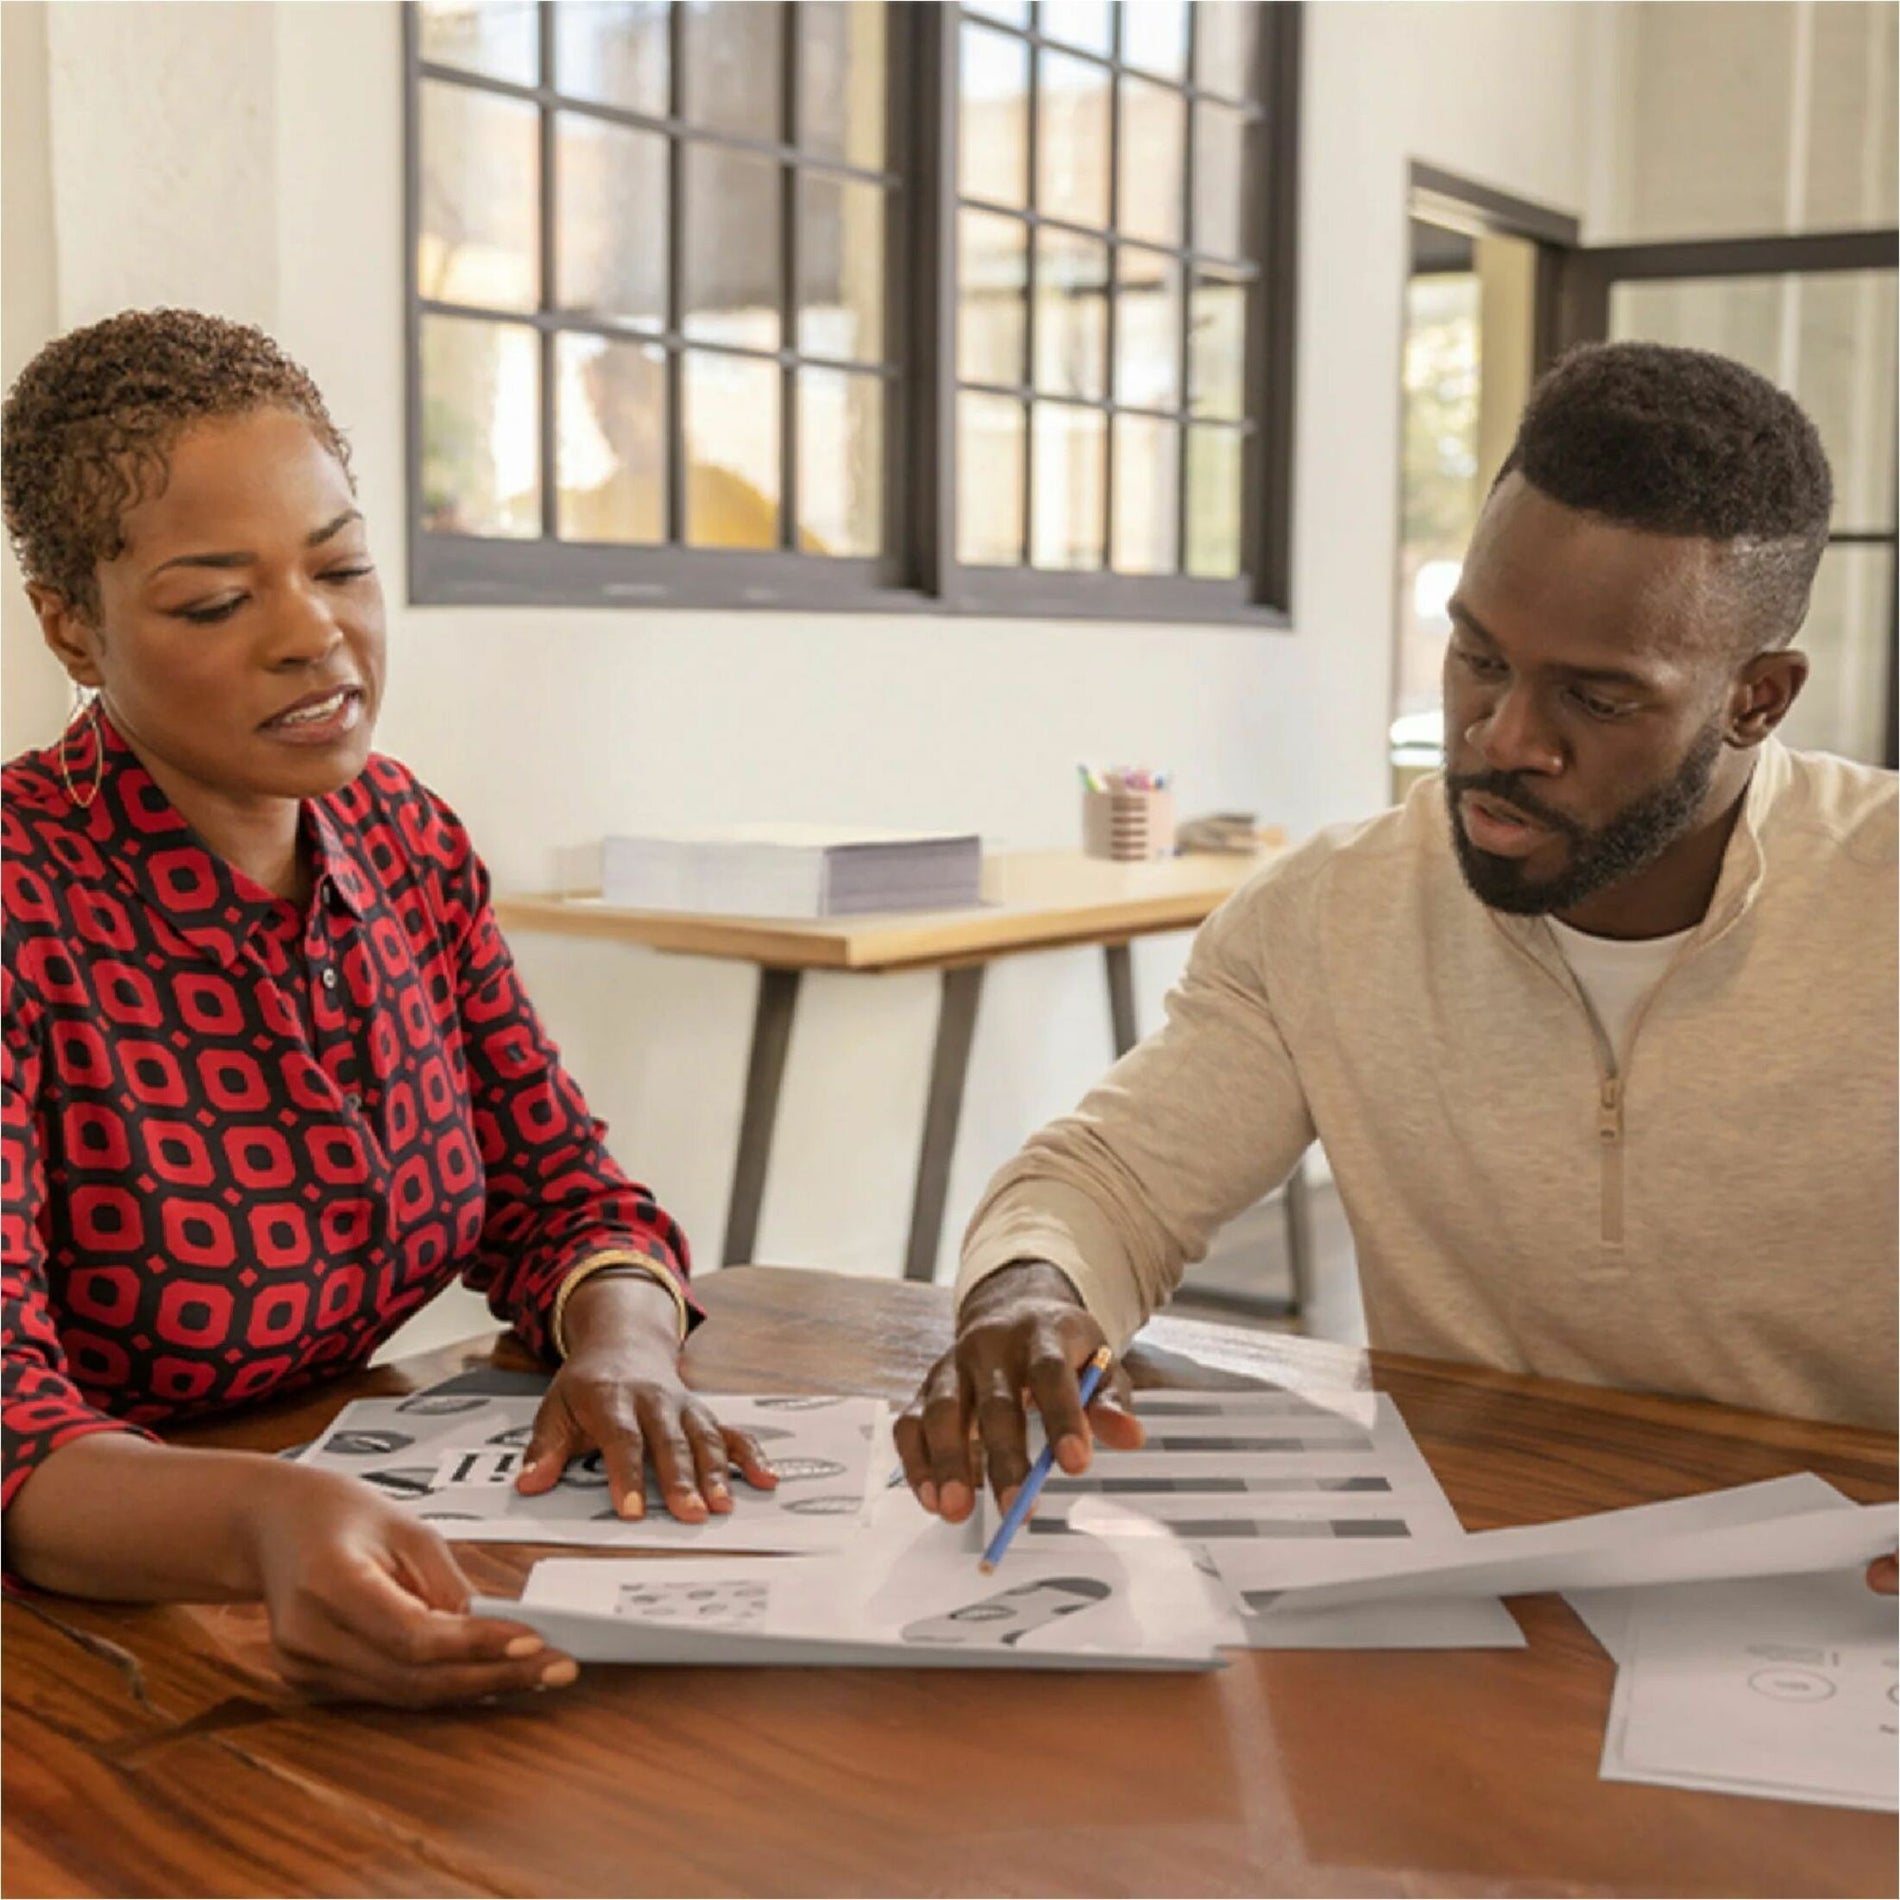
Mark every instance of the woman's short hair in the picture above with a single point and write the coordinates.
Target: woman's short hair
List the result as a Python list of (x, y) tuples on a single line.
[(87, 430)]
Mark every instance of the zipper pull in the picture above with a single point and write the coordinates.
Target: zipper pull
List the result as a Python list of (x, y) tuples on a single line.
[(1610, 1111)]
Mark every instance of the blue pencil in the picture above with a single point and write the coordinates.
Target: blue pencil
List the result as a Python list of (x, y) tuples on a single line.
[(1092, 1376)]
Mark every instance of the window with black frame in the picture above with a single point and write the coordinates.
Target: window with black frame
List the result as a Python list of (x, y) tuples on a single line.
[(840, 303)]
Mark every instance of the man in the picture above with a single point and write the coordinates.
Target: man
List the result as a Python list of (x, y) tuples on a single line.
[(1598, 1029)]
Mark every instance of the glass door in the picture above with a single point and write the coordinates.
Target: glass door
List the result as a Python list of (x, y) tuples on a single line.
[(1817, 316)]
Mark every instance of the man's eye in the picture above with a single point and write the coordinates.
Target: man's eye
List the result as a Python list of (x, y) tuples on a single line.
[(349, 573), (1600, 708), (1483, 665)]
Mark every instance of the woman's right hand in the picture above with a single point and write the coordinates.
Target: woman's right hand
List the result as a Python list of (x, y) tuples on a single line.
[(367, 1604)]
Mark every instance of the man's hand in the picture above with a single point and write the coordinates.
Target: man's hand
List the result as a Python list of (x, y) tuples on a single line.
[(1883, 1574), (1023, 1333), (366, 1604), (619, 1392)]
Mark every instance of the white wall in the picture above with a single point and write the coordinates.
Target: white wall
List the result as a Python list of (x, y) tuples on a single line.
[(548, 727)]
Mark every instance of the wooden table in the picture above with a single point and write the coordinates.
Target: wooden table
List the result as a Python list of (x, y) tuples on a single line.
[(1034, 900), (146, 1752)]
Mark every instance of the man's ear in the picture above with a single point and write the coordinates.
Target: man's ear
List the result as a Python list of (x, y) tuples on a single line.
[(1763, 692), (72, 638)]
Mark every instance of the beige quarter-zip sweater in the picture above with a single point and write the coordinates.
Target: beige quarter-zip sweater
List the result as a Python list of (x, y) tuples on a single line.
[(1709, 1209)]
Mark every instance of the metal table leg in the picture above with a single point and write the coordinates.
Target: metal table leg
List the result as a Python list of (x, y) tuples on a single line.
[(956, 1027), (765, 1069)]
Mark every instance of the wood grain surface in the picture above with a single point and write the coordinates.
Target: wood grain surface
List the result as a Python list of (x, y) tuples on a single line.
[(148, 1751)]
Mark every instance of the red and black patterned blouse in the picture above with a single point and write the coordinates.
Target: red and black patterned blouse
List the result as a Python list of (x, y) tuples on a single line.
[(243, 1144)]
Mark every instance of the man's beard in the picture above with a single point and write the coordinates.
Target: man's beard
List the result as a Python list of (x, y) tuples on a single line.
[(1632, 841)]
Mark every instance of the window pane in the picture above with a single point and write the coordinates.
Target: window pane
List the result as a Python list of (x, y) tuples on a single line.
[(1155, 36), (989, 481), (610, 257), (993, 118), (841, 87), (481, 422), (480, 219), (1213, 502), (1071, 315), (496, 37), (732, 451), (1152, 158), (731, 289), (1220, 180), (1147, 495), (840, 269), (1072, 140), (1225, 40), (993, 272), (1147, 329), (1088, 24), (615, 51), (732, 66), (1071, 456), (1010, 12), (1217, 346), (610, 439), (840, 462), (1834, 331), (1849, 637)]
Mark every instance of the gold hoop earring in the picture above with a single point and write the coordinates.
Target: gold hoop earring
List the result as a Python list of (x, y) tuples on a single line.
[(86, 715)]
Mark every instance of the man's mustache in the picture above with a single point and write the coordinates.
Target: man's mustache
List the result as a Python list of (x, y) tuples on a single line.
[(1507, 788)]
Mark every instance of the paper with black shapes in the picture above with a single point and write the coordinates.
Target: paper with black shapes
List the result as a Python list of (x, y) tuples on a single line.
[(1277, 1481), (906, 1593), (1785, 1688), (449, 1455)]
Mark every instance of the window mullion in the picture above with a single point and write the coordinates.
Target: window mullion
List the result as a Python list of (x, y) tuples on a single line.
[(1032, 259), (1188, 237), (675, 274), (1111, 292), (548, 353), (789, 38)]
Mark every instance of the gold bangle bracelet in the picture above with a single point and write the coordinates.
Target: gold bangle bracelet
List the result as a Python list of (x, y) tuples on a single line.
[(621, 1262)]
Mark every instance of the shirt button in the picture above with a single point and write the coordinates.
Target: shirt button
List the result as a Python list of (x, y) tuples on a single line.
[(329, 979), (353, 1102)]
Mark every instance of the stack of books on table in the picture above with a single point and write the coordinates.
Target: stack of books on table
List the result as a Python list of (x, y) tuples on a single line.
[(792, 871)]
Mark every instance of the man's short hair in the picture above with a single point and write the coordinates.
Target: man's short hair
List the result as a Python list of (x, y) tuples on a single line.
[(1683, 442)]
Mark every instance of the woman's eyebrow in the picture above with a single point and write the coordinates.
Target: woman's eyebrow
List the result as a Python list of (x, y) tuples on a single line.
[(245, 558)]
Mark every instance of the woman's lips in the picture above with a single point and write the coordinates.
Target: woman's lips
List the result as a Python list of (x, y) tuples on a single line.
[(1497, 830), (318, 722)]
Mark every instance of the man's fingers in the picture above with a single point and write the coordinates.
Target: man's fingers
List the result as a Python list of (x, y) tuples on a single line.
[(1883, 1574), (672, 1455), (1112, 1412), (1002, 1430), (946, 1429), (1051, 1379), (553, 1441)]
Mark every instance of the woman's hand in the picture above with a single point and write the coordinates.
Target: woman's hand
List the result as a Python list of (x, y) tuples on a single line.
[(619, 1392), (1883, 1574), (367, 1604)]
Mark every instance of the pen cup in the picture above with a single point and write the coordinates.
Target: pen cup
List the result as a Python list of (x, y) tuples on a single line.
[(1127, 826)]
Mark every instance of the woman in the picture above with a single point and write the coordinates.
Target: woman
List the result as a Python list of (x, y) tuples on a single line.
[(271, 1081)]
